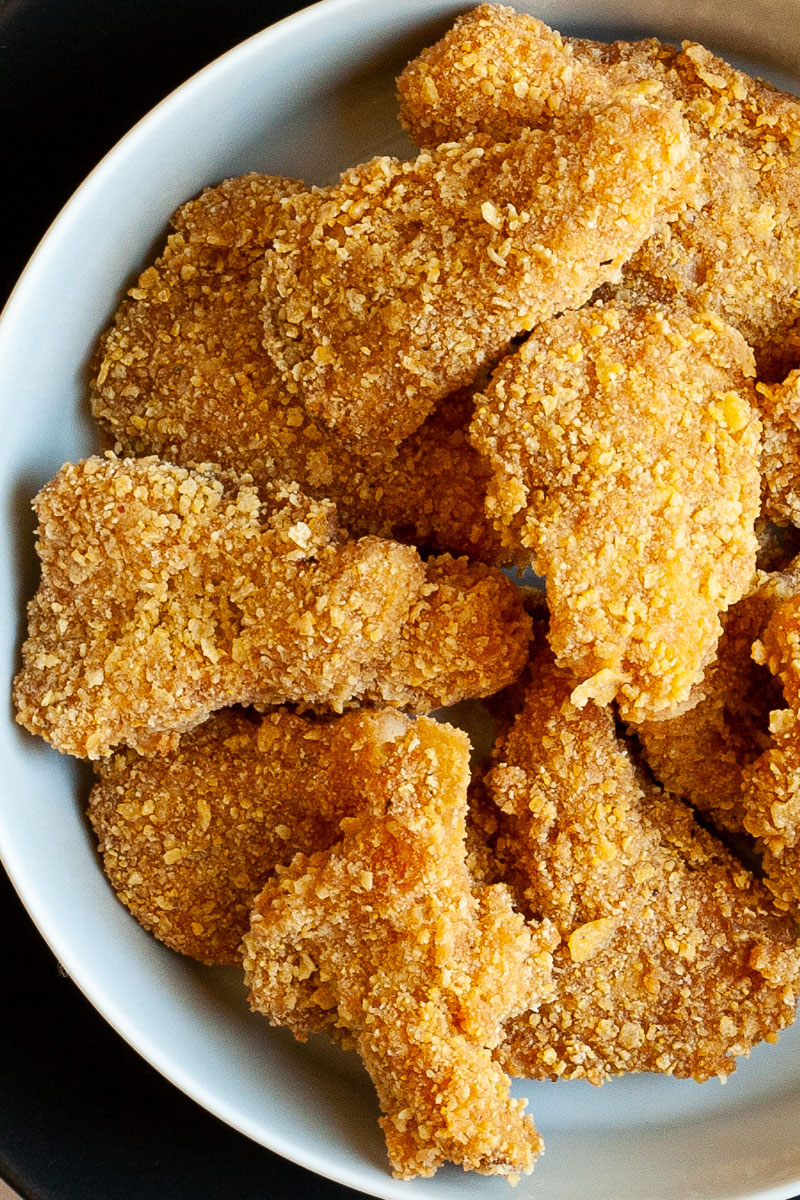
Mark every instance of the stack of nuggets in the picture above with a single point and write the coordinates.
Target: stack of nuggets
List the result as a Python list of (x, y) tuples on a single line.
[(564, 336)]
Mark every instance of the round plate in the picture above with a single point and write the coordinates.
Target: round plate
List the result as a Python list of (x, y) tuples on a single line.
[(306, 98)]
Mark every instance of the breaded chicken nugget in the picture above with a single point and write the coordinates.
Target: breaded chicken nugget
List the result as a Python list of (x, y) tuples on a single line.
[(384, 939), (772, 784), (166, 595), (673, 958), (182, 373), (738, 252), (496, 71), (189, 838), (703, 753), (390, 289), (624, 450), (736, 249)]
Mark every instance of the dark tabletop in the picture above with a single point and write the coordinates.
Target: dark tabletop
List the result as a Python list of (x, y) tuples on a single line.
[(82, 1117)]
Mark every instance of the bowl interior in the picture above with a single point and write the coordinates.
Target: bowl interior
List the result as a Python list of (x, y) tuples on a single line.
[(307, 98)]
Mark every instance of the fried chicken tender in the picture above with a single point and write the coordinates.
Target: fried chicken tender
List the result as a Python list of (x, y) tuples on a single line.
[(390, 289), (383, 939), (189, 838), (736, 249), (624, 451), (703, 753), (673, 958), (166, 595), (182, 373)]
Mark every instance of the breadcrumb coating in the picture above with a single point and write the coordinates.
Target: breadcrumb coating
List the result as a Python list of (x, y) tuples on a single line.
[(182, 373), (496, 71), (189, 838), (165, 596), (779, 404), (392, 288), (673, 958), (736, 249), (739, 252), (624, 451), (772, 783), (384, 936), (702, 754)]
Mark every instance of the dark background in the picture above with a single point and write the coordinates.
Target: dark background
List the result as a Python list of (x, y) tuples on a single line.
[(82, 1117)]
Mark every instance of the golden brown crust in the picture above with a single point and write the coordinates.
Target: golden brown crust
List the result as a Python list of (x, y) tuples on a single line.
[(189, 838), (779, 404), (673, 958), (496, 71), (739, 254), (702, 754), (772, 783), (391, 288), (383, 937), (182, 373), (624, 451), (165, 596), (737, 249)]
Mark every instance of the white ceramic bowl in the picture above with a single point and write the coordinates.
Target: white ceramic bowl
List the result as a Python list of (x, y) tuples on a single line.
[(306, 98)]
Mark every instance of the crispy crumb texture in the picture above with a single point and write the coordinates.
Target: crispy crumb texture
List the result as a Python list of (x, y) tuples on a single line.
[(703, 753), (497, 71), (388, 290), (189, 838), (673, 957), (182, 373), (384, 939), (165, 596), (624, 450), (772, 783), (779, 404), (736, 249)]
